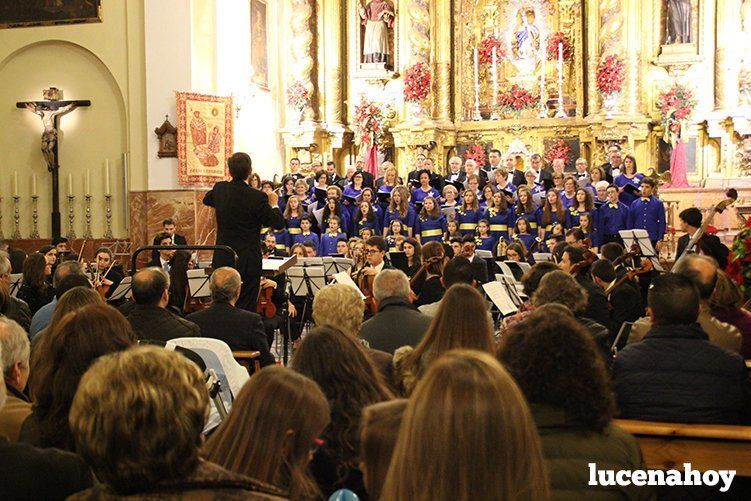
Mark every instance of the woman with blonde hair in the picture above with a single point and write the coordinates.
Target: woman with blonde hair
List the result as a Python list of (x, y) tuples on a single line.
[(338, 362), (462, 321), (467, 434), (379, 430), (287, 413), (400, 209)]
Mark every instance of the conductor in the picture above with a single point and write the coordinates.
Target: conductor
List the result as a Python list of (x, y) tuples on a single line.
[(241, 211)]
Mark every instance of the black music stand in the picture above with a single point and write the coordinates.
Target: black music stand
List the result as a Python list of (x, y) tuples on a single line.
[(122, 291)]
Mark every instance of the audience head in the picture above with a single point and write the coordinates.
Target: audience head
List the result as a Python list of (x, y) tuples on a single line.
[(137, 418), (561, 288), (391, 283), (240, 166), (379, 430), (531, 279), (464, 407), (71, 300), (15, 348), (225, 284), (150, 287), (287, 413), (69, 282), (458, 271), (6, 269), (603, 272), (35, 270), (673, 299), (555, 362), (66, 268), (701, 270), (727, 294), (340, 306), (611, 251), (72, 345)]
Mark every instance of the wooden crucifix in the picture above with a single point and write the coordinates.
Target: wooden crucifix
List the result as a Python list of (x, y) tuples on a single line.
[(50, 110)]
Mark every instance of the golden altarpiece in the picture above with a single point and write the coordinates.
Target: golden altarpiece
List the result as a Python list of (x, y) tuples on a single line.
[(699, 44)]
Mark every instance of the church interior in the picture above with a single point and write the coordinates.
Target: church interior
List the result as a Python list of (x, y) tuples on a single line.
[(553, 267)]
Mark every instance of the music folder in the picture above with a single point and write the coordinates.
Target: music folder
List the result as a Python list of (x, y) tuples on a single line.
[(122, 291)]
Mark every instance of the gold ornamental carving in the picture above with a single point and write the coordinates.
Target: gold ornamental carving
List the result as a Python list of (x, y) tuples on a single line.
[(419, 32), (303, 50)]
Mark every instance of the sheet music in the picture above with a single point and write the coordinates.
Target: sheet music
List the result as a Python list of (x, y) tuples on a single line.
[(497, 293), (641, 237), (345, 279), (318, 214)]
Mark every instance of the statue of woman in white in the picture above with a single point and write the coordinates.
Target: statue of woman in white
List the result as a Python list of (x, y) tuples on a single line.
[(378, 18)]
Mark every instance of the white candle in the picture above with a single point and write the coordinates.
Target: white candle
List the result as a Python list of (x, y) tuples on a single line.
[(495, 66), (15, 183), (34, 184), (560, 57), (477, 69), (107, 177), (88, 181), (70, 184)]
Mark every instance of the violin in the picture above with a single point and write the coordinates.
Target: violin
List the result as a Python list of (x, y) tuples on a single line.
[(589, 258), (646, 267), (265, 305), (365, 283)]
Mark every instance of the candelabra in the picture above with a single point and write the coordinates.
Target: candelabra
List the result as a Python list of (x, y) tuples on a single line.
[(476, 116), (543, 99), (34, 216), (16, 218), (2, 237), (108, 216), (71, 235), (561, 113), (494, 115), (87, 231)]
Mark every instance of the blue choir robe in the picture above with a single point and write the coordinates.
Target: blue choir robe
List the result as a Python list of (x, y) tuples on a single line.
[(419, 194), (408, 221), (328, 243), (500, 222), (532, 217), (467, 220), (573, 217), (391, 243), (364, 223), (293, 228), (566, 201), (281, 239), (527, 239), (351, 208), (621, 181), (430, 229), (301, 238), (486, 243), (648, 214), (553, 220), (611, 218), (343, 226)]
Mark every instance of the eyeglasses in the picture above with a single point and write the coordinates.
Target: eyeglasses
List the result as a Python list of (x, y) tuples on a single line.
[(371, 251)]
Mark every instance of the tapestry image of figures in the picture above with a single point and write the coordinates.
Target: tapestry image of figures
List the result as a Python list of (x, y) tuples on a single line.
[(204, 138), (21, 13)]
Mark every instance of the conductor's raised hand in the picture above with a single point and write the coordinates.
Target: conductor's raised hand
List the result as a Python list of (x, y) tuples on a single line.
[(273, 199)]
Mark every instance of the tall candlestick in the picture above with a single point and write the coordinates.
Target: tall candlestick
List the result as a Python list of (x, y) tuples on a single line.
[(494, 111), (15, 183), (88, 181), (107, 177), (560, 113), (543, 91), (476, 112), (70, 184), (34, 184), (477, 68)]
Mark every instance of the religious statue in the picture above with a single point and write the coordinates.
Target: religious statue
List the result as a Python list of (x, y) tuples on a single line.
[(679, 21), (49, 136), (525, 42), (378, 17)]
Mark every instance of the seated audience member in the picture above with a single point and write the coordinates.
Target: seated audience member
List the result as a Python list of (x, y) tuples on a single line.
[(573, 262), (72, 346), (15, 309), (73, 300), (150, 318), (448, 445), (379, 430), (341, 307), (457, 271), (462, 321), (14, 345), (690, 379), (560, 288), (34, 289), (426, 282), (137, 419), (288, 412), (624, 300), (163, 259), (397, 323), (702, 271), (726, 306), (31, 473), (341, 367), (68, 282), (240, 329), (42, 317), (559, 370), (16, 256)]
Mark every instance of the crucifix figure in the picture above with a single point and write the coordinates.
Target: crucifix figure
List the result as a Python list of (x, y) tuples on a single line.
[(50, 112)]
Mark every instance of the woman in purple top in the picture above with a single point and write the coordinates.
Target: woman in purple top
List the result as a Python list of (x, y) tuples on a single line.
[(630, 177), (425, 190)]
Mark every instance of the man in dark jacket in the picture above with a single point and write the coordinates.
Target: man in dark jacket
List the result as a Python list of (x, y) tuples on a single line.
[(240, 329), (708, 244), (241, 211), (397, 323), (16, 309), (572, 261), (624, 300), (150, 318), (676, 374)]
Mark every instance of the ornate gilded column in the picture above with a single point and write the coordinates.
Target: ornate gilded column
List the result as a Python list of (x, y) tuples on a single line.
[(727, 59), (332, 82), (633, 94), (419, 31), (302, 53), (611, 36), (442, 86)]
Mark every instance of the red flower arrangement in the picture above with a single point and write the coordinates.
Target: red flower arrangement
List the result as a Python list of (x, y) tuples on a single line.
[(739, 262), (610, 74), (417, 80), (485, 50), (370, 123), (552, 50), (676, 105), (477, 153), (297, 96), (558, 149), (516, 99)]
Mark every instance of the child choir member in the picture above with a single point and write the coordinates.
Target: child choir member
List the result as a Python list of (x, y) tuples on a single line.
[(469, 213), (331, 237), (431, 224), (400, 209)]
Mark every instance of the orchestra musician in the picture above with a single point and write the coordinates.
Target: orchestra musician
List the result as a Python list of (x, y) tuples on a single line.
[(164, 256), (576, 261), (107, 273), (708, 244)]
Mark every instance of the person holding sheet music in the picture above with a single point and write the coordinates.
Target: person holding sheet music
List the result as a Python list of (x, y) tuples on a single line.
[(431, 224), (424, 189), (400, 209), (629, 177), (395, 230), (612, 217), (390, 178), (306, 234), (469, 213), (351, 192), (503, 184), (331, 237), (552, 212), (320, 189), (365, 218), (648, 213), (302, 192)]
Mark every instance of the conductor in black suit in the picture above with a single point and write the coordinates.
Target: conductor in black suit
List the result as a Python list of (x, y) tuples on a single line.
[(241, 211), (240, 329), (709, 245)]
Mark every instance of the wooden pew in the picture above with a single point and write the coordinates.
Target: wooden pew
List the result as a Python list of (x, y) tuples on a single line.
[(667, 446), (248, 359)]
